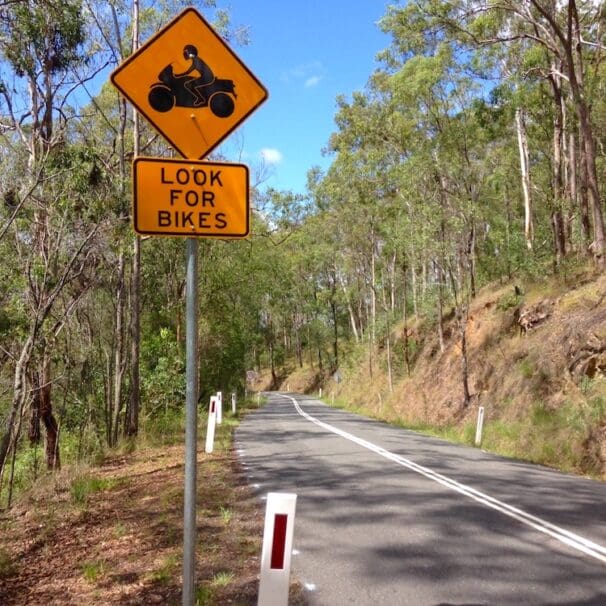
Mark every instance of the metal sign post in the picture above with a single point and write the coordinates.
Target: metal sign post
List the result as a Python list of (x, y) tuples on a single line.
[(191, 424), (194, 112)]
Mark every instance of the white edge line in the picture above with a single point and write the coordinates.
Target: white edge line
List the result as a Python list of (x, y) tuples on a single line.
[(564, 536)]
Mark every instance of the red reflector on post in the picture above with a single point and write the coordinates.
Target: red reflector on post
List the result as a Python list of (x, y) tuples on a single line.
[(279, 541)]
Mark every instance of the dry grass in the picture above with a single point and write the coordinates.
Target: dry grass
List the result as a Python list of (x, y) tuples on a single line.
[(113, 535)]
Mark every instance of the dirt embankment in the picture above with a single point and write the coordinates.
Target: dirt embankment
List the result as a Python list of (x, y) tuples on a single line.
[(122, 542)]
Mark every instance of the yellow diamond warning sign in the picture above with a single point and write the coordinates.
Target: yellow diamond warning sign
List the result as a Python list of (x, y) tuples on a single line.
[(190, 85), (190, 198)]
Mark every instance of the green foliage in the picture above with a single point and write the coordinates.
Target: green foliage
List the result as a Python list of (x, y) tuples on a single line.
[(94, 571), (166, 573), (222, 579), (204, 596), (82, 487), (162, 374), (509, 300), (39, 35)]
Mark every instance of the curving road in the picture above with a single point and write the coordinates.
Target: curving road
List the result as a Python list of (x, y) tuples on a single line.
[(386, 516)]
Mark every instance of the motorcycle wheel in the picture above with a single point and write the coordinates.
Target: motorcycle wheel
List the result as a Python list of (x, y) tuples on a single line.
[(222, 105), (161, 98)]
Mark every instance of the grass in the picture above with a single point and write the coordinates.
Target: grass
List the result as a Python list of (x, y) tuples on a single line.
[(204, 596), (226, 514), (167, 570), (7, 564), (222, 579), (83, 486), (150, 482), (94, 571)]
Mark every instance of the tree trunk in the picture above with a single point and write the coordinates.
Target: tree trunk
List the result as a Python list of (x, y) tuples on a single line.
[(440, 303), (405, 319), (557, 218), (524, 168), (464, 359), (132, 421), (389, 373), (584, 201), (352, 317), (335, 341), (118, 343), (19, 395), (53, 460), (576, 78)]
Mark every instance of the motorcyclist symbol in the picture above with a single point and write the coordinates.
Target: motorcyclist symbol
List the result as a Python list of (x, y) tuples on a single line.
[(193, 91)]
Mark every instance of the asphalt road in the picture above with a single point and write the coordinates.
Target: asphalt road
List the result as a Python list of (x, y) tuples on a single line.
[(386, 516)]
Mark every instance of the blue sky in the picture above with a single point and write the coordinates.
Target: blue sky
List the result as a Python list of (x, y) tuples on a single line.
[(305, 52)]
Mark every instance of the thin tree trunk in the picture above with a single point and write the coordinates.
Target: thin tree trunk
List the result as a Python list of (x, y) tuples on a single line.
[(405, 320), (440, 302), (118, 367), (335, 342), (572, 188), (576, 79), (557, 219), (584, 200), (464, 359), (132, 424), (524, 168), (389, 373), (352, 317), (19, 394), (53, 460)]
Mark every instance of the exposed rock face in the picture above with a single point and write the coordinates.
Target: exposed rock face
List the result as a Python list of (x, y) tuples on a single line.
[(529, 317), (589, 360)]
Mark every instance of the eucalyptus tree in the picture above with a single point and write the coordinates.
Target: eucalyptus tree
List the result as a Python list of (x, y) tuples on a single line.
[(39, 43), (568, 36)]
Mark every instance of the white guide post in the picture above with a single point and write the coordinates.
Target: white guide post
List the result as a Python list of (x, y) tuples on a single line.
[(480, 425), (210, 429), (219, 408), (277, 549), (233, 402)]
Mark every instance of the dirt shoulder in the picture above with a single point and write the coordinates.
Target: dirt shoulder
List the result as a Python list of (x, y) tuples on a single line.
[(121, 543)]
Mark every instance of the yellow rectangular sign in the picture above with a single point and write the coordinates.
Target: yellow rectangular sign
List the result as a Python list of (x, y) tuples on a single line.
[(190, 198)]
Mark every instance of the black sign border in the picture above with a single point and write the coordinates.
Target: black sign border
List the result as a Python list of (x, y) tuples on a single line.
[(149, 42)]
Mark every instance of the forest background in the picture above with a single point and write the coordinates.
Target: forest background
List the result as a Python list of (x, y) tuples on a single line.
[(466, 176)]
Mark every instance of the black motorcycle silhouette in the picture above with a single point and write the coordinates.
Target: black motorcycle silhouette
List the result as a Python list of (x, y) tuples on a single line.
[(171, 91)]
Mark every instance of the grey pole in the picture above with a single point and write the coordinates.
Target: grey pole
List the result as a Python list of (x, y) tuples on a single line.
[(191, 424)]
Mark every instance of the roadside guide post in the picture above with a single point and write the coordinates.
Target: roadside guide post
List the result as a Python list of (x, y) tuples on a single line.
[(219, 407), (479, 426), (277, 549), (190, 198), (210, 428)]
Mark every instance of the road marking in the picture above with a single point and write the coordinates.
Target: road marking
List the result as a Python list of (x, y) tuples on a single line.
[(571, 539)]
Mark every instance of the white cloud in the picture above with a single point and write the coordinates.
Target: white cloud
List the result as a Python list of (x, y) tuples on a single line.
[(313, 81), (271, 156), (309, 74)]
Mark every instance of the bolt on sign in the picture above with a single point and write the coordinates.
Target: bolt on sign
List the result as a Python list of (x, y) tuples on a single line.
[(190, 198), (189, 85)]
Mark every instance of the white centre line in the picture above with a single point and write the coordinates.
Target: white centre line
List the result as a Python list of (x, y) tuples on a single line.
[(571, 539)]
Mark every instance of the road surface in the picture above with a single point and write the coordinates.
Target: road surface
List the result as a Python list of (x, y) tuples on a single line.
[(386, 516)]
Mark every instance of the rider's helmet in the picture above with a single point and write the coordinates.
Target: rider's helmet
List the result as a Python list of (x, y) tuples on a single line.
[(190, 51)]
